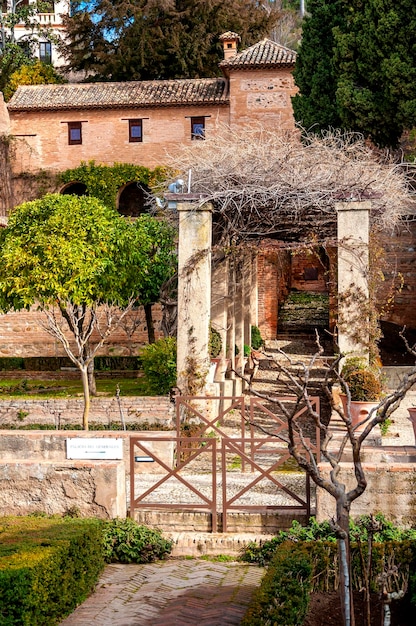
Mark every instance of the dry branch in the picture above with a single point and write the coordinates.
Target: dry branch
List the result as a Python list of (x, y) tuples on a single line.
[(264, 183)]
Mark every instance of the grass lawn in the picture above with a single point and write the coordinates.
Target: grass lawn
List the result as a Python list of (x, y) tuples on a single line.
[(32, 388)]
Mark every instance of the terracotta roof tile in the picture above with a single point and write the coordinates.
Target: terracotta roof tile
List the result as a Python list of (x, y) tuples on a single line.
[(137, 94), (263, 54)]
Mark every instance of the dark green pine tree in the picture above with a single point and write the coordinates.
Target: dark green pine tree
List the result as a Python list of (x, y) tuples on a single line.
[(315, 106), (376, 60), (356, 68), (159, 39)]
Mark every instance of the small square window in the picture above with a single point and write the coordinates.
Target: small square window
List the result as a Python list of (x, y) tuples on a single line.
[(135, 131), (74, 133), (45, 52), (197, 127)]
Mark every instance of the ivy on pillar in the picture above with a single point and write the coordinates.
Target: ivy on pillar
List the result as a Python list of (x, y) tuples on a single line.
[(353, 269)]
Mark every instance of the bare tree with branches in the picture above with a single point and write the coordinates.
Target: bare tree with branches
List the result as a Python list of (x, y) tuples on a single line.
[(265, 183), (296, 377)]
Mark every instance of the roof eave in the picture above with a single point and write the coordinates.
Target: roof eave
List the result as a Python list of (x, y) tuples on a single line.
[(96, 107)]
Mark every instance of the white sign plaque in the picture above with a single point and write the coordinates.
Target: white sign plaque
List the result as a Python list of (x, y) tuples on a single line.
[(97, 448)]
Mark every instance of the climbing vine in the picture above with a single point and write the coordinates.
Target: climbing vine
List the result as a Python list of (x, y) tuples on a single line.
[(105, 181), (6, 186)]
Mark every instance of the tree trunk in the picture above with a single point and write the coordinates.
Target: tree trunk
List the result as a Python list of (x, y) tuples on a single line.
[(347, 606), (149, 323), (85, 387), (91, 378)]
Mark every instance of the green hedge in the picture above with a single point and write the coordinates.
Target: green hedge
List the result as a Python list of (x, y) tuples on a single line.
[(299, 568), (47, 567), (52, 364), (283, 596)]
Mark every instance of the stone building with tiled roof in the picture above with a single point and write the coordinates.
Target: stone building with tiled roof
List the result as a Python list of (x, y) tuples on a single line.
[(137, 122), (58, 126)]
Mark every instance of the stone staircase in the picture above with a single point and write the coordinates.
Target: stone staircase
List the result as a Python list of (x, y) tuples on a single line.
[(303, 312)]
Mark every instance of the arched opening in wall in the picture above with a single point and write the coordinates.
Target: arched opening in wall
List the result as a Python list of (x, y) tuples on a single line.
[(133, 199), (74, 189), (306, 306)]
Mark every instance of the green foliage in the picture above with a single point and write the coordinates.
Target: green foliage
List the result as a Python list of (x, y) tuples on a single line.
[(127, 542), (298, 568), (364, 386), (177, 40), (47, 567), (61, 248), (363, 382), (105, 181), (159, 365), (356, 68), (74, 254), (11, 363), (73, 249), (247, 350), (257, 340), (315, 107), (34, 73), (215, 343), (314, 531), (283, 596), (11, 59)]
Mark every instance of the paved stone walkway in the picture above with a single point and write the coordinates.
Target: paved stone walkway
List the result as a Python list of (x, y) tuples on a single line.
[(168, 593)]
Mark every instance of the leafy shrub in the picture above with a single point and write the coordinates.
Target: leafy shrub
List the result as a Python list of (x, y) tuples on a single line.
[(283, 596), (215, 343), (257, 340), (363, 381), (127, 542), (159, 365), (314, 531), (364, 386)]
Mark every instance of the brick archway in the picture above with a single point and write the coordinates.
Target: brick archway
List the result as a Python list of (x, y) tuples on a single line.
[(133, 199), (74, 188)]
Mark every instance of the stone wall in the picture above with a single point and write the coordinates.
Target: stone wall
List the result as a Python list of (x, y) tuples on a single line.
[(391, 488), (103, 411), (91, 489), (40, 446), (36, 476)]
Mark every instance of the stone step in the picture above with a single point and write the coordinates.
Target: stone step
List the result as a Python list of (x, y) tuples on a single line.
[(191, 523), (197, 544)]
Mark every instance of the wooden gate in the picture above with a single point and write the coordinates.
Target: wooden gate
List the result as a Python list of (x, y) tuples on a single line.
[(260, 460)]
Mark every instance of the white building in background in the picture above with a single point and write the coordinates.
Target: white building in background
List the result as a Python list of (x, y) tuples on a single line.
[(42, 27)]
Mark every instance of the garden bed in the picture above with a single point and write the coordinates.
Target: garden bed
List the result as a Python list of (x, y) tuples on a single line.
[(325, 610)]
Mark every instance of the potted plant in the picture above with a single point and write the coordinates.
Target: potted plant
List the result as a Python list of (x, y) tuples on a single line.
[(365, 389), (412, 417), (219, 365)]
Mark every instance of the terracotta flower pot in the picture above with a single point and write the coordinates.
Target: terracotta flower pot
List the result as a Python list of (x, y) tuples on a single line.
[(359, 411), (222, 366), (412, 417)]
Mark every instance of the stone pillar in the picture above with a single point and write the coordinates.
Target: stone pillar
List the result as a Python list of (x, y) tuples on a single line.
[(254, 309), (219, 303), (353, 268), (194, 296)]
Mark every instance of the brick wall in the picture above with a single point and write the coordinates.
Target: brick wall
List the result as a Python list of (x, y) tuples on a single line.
[(23, 334), (105, 135), (273, 267), (400, 257), (262, 96)]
